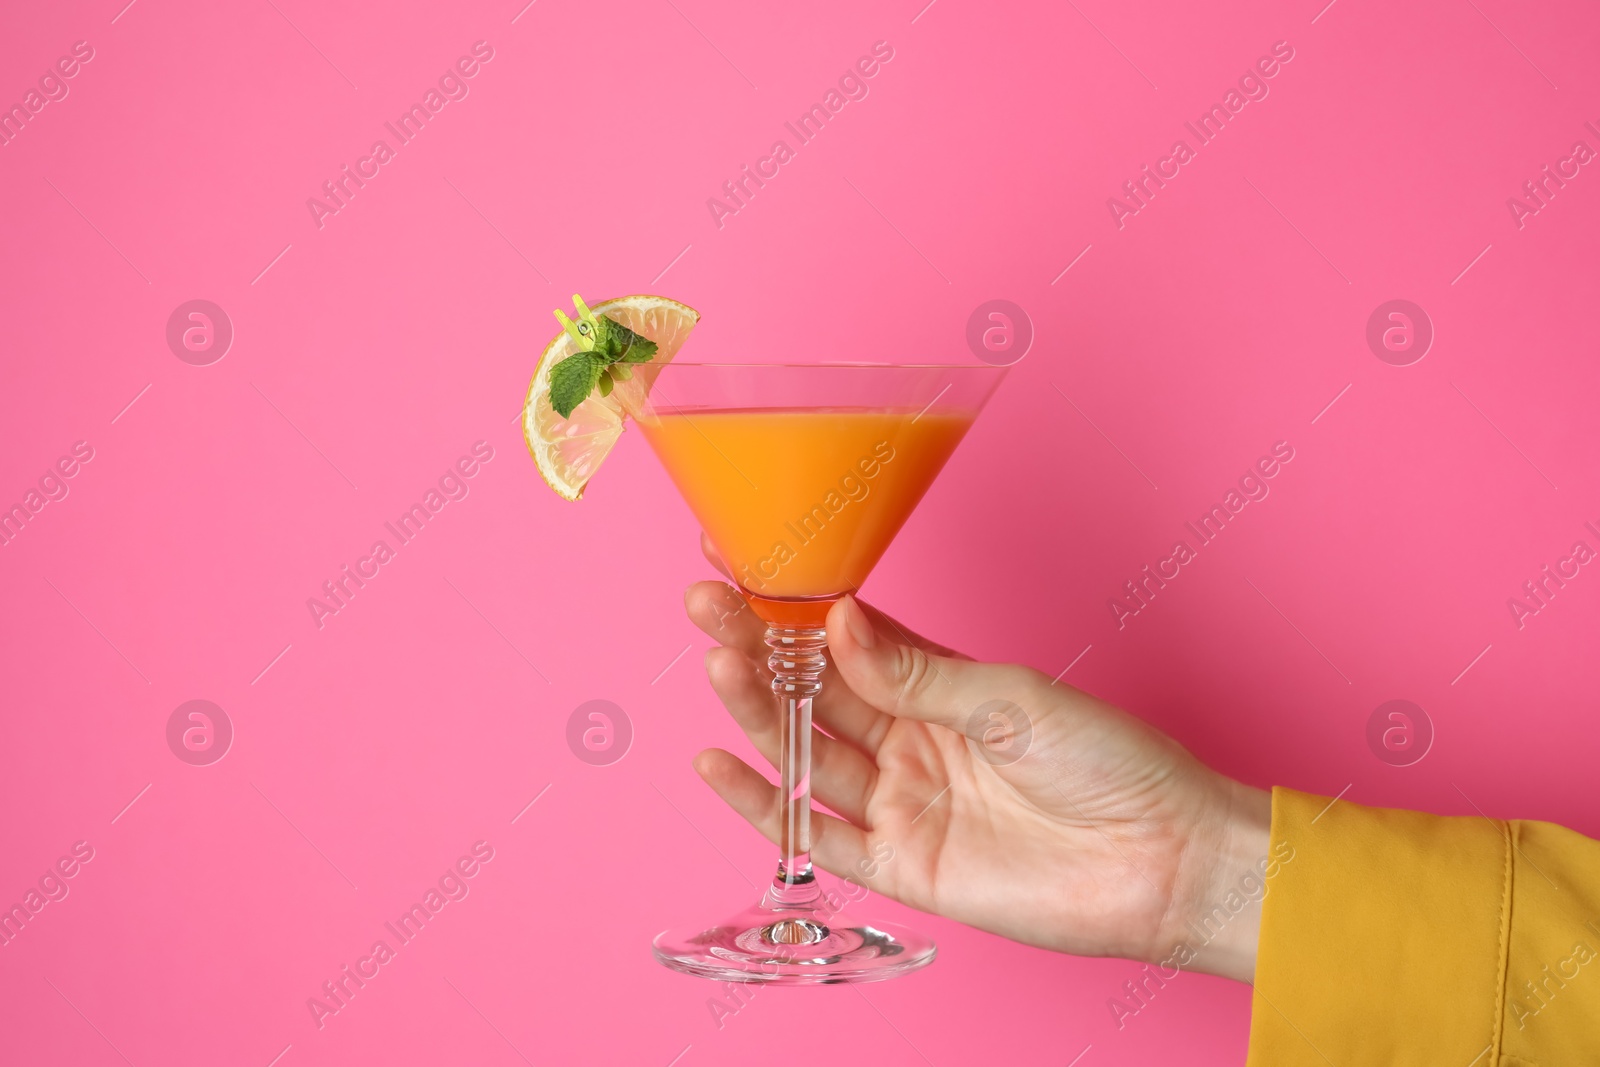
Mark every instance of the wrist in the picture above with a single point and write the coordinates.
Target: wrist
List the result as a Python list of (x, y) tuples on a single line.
[(1216, 912)]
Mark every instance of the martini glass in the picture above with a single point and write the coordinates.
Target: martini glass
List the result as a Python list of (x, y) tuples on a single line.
[(801, 475)]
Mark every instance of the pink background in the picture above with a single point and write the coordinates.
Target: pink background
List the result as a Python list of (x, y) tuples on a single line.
[(371, 353)]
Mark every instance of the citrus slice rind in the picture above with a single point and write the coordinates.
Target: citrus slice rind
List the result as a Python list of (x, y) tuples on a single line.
[(569, 451)]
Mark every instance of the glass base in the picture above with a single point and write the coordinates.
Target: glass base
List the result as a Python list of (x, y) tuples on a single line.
[(795, 945)]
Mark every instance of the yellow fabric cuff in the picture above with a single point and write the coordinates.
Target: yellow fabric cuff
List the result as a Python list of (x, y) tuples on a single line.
[(1384, 936), (1552, 1006)]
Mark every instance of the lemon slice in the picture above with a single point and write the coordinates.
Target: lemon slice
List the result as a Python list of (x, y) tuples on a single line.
[(569, 451)]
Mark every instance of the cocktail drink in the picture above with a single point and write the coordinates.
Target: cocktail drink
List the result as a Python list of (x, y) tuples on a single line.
[(801, 476), (802, 502)]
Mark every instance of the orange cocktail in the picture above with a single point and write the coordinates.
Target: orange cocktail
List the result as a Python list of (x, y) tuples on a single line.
[(802, 503), (801, 474)]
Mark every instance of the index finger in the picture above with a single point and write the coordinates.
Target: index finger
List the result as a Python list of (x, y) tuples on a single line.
[(882, 618)]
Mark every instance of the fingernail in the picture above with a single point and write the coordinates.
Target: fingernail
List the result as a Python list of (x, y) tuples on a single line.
[(856, 621)]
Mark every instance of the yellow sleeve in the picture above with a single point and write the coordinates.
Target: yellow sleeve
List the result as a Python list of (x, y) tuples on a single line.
[(1398, 938)]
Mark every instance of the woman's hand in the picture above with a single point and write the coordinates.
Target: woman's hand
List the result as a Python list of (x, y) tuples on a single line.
[(1018, 806)]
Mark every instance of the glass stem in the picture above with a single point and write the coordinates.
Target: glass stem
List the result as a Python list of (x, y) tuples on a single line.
[(797, 663)]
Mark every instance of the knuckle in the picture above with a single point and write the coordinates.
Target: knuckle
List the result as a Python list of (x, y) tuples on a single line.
[(914, 671)]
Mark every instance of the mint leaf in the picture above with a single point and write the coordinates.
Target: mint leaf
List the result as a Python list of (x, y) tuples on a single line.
[(611, 345), (621, 345), (572, 379), (641, 351)]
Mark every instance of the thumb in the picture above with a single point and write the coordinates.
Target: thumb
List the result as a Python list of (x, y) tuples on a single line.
[(911, 683)]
